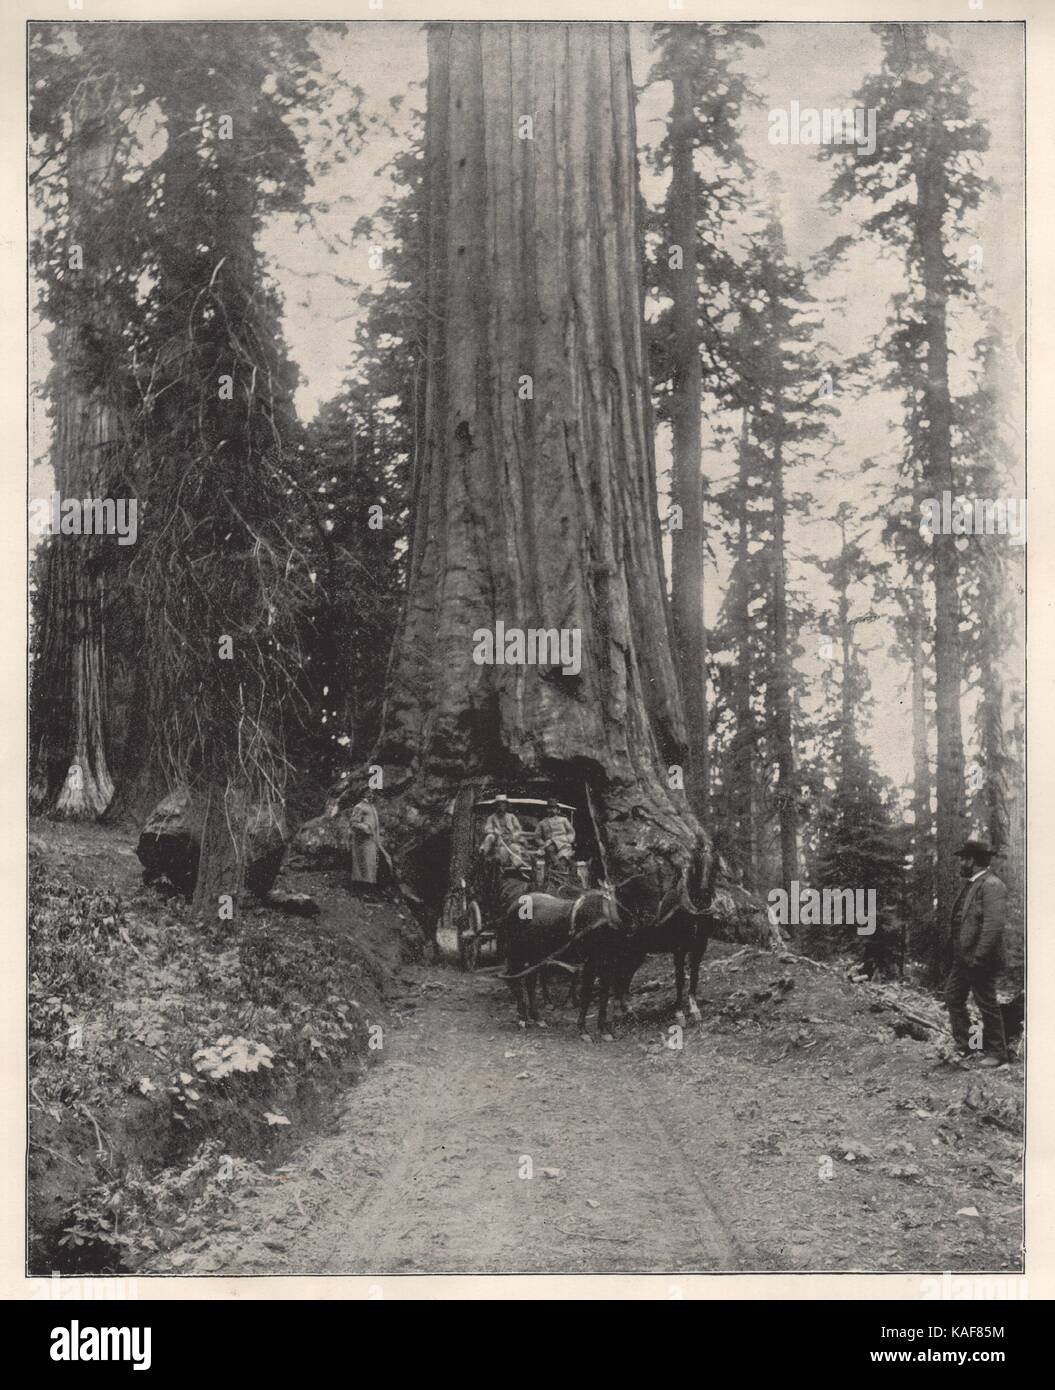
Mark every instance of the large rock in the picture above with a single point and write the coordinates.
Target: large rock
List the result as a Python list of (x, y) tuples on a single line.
[(170, 840), (170, 843), (742, 917), (329, 842), (267, 837), (326, 841)]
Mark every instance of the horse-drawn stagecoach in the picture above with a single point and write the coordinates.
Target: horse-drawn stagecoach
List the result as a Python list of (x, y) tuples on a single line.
[(485, 881), (573, 916)]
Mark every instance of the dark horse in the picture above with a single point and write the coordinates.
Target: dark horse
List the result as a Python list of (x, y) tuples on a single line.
[(536, 926), (683, 925)]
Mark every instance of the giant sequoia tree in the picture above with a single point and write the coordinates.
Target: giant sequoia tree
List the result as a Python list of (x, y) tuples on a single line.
[(534, 500), (77, 144)]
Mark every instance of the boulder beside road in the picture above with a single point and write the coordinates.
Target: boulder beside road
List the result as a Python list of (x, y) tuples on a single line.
[(170, 843), (325, 842)]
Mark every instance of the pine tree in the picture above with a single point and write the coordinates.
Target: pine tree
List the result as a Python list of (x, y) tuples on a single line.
[(924, 178), (740, 633), (912, 626), (860, 843), (694, 268), (786, 398), (991, 578)]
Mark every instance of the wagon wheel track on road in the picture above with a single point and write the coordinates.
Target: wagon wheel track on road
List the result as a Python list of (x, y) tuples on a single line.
[(423, 1175), (382, 1213), (381, 1205), (714, 1236)]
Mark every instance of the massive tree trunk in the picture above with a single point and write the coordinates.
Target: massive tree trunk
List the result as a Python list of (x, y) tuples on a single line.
[(687, 487), (141, 786), (71, 772), (932, 205), (535, 501), (87, 789)]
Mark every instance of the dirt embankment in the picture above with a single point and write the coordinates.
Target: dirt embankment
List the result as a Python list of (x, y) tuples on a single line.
[(173, 1064)]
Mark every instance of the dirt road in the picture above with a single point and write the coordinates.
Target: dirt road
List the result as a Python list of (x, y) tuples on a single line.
[(474, 1147), (796, 1128)]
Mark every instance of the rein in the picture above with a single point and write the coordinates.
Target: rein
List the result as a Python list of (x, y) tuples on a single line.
[(685, 904), (554, 956)]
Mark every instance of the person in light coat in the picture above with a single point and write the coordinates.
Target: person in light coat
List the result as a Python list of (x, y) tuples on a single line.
[(366, 840), (556, 836), (503, 836)]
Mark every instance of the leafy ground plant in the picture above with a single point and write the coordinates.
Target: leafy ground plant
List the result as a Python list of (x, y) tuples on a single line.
[(173, 1065)]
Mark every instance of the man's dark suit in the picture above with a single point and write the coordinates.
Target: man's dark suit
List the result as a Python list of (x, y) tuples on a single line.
[(977, 927)]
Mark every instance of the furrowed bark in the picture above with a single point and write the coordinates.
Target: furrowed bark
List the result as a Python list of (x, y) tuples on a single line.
[(540, 512), (687, 485), (75, 674)]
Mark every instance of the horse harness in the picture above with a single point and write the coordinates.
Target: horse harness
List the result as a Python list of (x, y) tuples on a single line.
[(572, 938)]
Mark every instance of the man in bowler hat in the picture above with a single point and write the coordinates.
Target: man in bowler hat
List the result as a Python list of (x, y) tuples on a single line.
[(977, 928)]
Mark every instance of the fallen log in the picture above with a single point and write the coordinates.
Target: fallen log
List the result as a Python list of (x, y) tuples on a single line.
[(297, 904), (880, 999), (882, 1002)]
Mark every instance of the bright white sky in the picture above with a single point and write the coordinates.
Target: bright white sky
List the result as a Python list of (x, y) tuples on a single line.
[(817, 65)]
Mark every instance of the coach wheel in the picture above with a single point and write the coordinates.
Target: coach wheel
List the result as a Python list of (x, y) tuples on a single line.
[(453, 914), (469, 939)]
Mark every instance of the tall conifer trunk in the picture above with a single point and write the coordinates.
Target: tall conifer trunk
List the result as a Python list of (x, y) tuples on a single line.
[(535, 500), (72, 773), (922, 782), (782, 728), (932, 204), (744, 724), (688, 543)]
